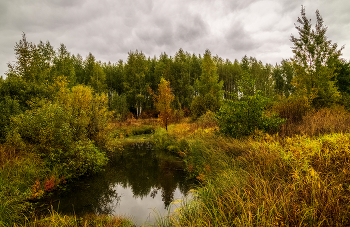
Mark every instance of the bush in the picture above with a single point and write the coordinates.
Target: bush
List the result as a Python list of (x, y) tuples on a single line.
[(200, 105), (80, 158), (62, 133), (243, 117), (293, 108)]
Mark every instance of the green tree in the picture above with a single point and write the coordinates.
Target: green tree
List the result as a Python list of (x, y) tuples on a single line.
[(33, 61), (208, 88), (119, 105), (343, 76), (98, 79), (283, 75), (314, 61), (135, 84), (63, 65)]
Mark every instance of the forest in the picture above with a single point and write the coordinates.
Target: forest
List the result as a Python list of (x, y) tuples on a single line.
[(268, 143)]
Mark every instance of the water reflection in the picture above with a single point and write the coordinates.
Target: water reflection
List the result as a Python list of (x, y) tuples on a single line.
[(134, 183)]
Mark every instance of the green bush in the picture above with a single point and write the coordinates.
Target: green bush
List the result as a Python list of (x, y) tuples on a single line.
[(63, 133), (80, 158), (201, 104), (243, 117)]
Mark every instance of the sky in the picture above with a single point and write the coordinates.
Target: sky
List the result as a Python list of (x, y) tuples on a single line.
[(109, 29)]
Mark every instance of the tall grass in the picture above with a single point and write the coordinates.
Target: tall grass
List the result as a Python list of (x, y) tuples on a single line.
[(299, 181), (17, 176), (57, 220)]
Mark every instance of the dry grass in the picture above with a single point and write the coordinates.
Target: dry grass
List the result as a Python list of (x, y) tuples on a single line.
[(318, 122)]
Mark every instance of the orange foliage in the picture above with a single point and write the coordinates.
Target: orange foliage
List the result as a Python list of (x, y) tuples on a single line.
[(201, 177), (50, 184), (163, 101), (36, 189)]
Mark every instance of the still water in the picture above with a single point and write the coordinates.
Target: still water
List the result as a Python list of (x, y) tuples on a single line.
[(137, 184)]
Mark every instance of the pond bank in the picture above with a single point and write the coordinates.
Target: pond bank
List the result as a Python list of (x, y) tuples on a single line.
[(137, 184)]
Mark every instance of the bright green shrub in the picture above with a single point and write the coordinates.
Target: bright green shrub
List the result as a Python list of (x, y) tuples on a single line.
[(243, 117), (45, 128)]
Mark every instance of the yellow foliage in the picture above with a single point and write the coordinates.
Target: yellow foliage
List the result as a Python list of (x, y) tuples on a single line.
[(163, 101)]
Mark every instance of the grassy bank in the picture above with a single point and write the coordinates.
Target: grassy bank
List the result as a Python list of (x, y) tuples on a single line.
[(268, 180)]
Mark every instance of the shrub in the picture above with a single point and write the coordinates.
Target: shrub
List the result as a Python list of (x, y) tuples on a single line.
[(201, 104), (243, 117), (63, 132), (293, 109)]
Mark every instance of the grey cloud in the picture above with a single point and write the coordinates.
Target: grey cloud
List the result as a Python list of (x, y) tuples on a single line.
[(239, 5), (238, 39), (191, 29)]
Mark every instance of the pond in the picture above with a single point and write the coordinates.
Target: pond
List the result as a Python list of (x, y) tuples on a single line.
[(138, 184)]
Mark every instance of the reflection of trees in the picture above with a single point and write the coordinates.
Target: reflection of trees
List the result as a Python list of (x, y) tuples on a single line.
[(138, 168)]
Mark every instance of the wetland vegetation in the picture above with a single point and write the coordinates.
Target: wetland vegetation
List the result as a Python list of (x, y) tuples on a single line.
[(265, 145)]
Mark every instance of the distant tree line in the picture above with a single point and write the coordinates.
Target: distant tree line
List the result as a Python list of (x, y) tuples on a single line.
[(198, 82)]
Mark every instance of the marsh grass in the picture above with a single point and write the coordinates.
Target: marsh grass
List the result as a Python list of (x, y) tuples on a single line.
[(299, 181), (57, 220)]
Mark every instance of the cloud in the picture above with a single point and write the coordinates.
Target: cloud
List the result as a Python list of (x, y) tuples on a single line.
[(239, 39), (111, 28)]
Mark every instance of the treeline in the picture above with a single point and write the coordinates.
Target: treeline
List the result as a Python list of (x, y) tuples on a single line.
[(192, 79), (128, 82)]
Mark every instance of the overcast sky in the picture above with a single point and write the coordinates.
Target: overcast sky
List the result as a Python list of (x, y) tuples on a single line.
[(109, 29)]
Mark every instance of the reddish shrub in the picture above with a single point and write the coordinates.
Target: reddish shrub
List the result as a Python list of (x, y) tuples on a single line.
[(50, 184)]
